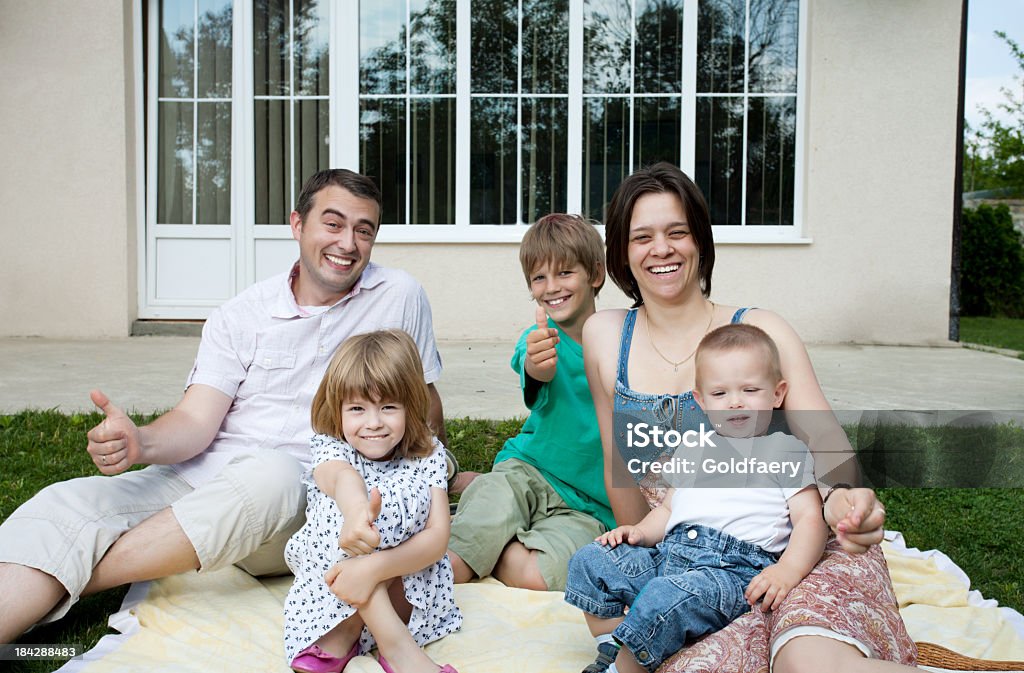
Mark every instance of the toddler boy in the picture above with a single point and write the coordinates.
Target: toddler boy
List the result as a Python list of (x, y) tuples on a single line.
[(705, 555)]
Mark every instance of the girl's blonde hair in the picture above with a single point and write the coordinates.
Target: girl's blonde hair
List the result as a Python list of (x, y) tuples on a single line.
[(377, 366)]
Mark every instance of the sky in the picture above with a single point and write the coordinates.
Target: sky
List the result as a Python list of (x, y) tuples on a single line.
[(989, 63)]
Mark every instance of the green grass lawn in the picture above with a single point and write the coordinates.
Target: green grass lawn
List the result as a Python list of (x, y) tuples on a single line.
[(998, 332), (978, 528)]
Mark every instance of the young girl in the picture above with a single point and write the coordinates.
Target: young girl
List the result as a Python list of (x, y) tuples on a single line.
[(370, 565)]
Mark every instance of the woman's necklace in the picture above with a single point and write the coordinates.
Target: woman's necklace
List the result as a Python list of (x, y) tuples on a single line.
[(675, 365)]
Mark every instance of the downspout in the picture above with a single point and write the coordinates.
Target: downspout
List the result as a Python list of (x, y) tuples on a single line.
[(958, 185)]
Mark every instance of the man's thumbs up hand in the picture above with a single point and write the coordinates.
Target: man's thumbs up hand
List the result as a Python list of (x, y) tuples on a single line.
[(114, 443)]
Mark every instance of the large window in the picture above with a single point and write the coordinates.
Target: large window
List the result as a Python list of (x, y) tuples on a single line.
[(190, 213), (519, 109), (475, 116)]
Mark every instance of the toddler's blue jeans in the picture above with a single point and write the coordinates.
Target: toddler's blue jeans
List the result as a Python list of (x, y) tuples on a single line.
[(690, 584)]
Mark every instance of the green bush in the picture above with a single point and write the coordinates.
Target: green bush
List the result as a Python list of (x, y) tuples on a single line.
[(991, 263)]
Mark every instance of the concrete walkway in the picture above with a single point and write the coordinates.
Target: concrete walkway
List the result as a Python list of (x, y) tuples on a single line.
[(147, 374)]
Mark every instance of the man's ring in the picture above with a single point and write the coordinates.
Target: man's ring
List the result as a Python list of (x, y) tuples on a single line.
[(103, 459)]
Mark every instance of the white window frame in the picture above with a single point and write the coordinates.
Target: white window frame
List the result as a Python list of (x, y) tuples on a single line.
[(731, 233), (150, 306), (344, 133), (242, 232), (462, 231)]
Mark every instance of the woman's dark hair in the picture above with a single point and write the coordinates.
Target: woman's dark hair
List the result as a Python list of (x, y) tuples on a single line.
[(660, 178)]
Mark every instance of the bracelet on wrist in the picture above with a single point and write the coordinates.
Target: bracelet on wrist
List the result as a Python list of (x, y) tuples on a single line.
[(828, 494)]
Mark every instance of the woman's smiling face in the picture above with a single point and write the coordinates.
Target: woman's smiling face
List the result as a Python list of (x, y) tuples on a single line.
[(662, 254)]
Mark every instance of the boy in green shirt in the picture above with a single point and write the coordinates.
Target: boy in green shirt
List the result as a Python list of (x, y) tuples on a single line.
[(545, 497)]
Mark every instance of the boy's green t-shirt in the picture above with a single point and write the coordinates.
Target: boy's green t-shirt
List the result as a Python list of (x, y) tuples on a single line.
[(561, 438)]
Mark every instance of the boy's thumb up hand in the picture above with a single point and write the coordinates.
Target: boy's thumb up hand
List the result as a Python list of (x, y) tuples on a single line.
[(541, 356), (542, 319)]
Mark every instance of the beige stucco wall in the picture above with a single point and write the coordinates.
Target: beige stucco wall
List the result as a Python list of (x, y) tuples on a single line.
[(879, 148), (67, 179), (476, 291)]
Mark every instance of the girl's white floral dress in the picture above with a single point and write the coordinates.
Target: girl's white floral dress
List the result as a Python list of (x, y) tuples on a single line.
[(310, 609)]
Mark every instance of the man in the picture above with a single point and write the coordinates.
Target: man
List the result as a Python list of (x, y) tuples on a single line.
[(222, 486)]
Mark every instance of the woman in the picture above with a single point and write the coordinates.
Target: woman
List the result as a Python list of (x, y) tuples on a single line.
[(661, 254)]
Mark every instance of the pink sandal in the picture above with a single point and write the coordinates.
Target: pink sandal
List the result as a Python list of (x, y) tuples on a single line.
[(314, 660), (447, 668)]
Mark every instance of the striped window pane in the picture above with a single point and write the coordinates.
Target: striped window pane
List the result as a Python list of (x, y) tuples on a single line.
[(432, 161), (495, 46), (382, 152), (493, 158), (291, 106), (771, 157), (273, 161), (194, 112), (658, 49), (605, 151), (657, 130), (543, 156), (175, 164), (719, 157)]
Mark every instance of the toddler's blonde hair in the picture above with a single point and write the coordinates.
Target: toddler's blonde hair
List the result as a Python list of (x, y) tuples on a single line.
[(738, 336)]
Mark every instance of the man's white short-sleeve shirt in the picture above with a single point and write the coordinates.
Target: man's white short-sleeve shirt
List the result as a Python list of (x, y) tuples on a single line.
[(269, 355)]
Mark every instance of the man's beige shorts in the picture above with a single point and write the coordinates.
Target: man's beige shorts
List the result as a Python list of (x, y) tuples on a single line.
[(243, 516)]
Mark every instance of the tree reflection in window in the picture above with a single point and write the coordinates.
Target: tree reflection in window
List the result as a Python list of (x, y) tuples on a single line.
[(519, 109), (633, 104), (194, 113), (407, 107), (745, 156), (632, 92), (291, 106)]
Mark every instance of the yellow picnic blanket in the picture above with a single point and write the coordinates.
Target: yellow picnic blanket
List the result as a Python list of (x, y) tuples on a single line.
[(226, 620), (938, 607)]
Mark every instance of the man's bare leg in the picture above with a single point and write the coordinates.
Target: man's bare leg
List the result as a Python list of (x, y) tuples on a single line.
[(157, 547), (26, 596)]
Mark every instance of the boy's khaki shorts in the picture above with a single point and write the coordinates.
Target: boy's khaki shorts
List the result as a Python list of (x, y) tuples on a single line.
[(245, 515), (515, 502)]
